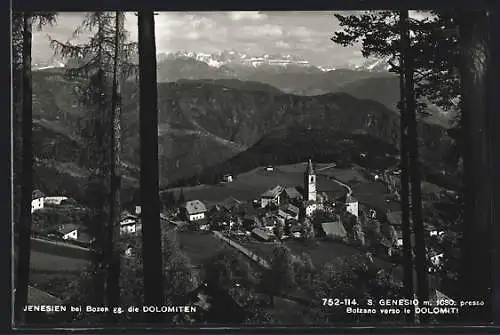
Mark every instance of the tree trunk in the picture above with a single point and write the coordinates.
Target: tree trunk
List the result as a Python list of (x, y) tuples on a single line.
[(113, 231), (405, 190), (478, 127), (99, 159), (493, 107), (17, 103), (150, 204), (24, 229), (414, 164)]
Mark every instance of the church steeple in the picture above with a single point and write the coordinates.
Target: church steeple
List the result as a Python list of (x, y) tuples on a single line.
[(310, 168), (310, 182)]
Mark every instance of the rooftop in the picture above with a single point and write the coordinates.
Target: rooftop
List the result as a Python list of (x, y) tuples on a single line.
[(261, 233), (290, 208), (394, 218), (195, 207), (351, 199), (36, 194), (292, 193), (230, 203), (273, 192), (334, 228), (68, 228)]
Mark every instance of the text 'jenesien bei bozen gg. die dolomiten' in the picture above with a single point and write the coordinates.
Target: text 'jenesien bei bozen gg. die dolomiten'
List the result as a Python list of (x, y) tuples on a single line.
[(103, 309)]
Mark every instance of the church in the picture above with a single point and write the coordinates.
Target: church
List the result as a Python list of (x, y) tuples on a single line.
[(309, 199)]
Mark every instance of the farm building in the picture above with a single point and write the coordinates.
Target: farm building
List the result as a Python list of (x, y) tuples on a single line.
[(129, 223), (73, 232), (289, 211), (271, 196), (292, 193), (352, 206), (334, 229), (195, 210), (229, 204), (54, 201), (433, 231), (37, 200), (262, 235)]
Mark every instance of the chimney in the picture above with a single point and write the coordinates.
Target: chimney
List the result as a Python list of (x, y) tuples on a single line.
[(138, 210)]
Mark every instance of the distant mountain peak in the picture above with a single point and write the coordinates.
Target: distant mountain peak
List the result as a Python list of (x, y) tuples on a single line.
[(231, 58), (372, 65)]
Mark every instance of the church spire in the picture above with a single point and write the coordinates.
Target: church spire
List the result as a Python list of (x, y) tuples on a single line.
[(310, 168)]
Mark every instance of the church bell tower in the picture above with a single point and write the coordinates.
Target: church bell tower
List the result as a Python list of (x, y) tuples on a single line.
[(310, 182)]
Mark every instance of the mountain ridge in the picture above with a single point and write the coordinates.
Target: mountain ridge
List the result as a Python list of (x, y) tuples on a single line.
[(204, 124)]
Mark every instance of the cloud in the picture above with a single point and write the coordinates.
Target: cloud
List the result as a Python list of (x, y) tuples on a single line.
[(265, 30), (251, 16), (303, 34), (283, 44)]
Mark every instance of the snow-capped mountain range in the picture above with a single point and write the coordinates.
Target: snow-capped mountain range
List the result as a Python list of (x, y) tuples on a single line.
[(372, 65), (231, 58)]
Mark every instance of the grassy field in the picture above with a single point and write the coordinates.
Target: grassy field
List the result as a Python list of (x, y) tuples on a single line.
[(373, 194), (199, 247), (249, 185), (261, 249), (56, 263), (344, 175), (323, 252)]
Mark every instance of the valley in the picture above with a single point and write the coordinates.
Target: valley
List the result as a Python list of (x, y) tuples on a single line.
[(206, 123)]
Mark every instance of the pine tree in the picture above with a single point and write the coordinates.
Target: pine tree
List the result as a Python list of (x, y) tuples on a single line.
[(150, 203), (476, 122), (103, 61), (407, 48), (22, 43)]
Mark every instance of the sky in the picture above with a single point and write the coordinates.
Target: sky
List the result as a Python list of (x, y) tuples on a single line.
[(303, 34)]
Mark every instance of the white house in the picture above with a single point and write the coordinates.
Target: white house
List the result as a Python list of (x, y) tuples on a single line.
[(37, 200), (310, 207), (54, 200), (436, 259), (69, 231), (195, 210), (129, 224), (352, 206)]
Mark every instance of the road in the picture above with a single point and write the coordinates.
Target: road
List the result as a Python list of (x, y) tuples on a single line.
[(35, 241)]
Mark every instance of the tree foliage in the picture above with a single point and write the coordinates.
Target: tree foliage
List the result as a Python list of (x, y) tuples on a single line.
[(280, 277), (353, 277), (434, 47)]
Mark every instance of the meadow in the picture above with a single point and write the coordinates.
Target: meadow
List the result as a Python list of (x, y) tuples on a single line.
[(199, 246), (249, 185)]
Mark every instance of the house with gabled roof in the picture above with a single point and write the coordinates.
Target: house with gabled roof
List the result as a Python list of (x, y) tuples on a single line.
[(37, 200), (289, 211), (195, 210), (271, 196)]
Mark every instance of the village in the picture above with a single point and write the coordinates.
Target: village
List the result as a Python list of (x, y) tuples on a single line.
[(322, 209)]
